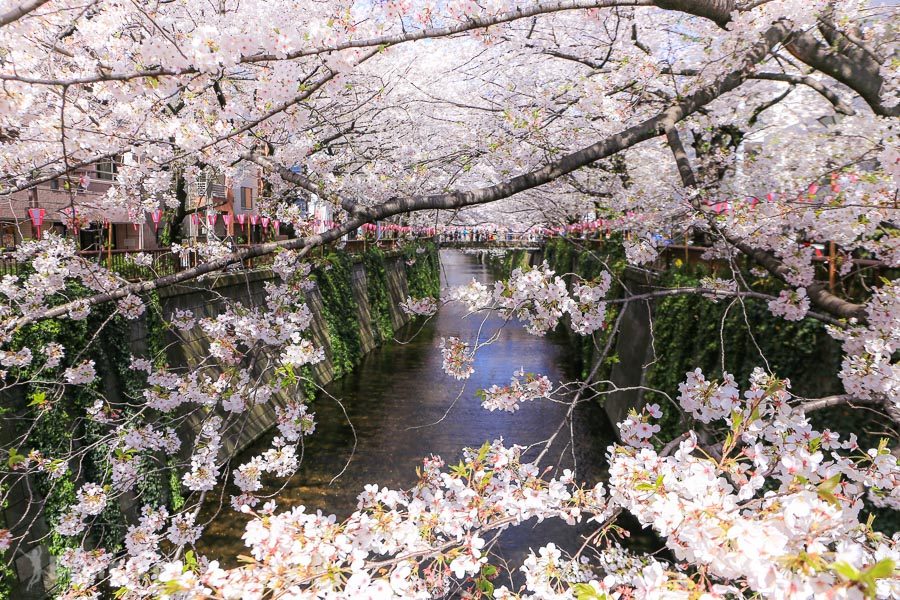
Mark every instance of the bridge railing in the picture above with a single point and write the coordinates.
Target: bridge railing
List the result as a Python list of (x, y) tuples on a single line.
[(481, 237)]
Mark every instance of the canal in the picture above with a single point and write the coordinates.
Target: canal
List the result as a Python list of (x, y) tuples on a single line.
[(403, 407)]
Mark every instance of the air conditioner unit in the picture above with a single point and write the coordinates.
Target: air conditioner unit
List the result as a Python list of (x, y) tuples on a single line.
[(201, 184)]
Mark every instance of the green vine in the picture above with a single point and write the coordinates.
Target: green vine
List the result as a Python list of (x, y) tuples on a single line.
[(377, 292), (424, 272), (339, 312)]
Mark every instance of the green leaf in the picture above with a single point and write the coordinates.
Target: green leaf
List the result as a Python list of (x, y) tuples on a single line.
[(883, 568), (38, 399), (15, 458), (483, 452), (826, 490), (460, 469), (846, 570), (486, 587), (814, 444), (736, 419), (830, 483), (584, 591), (190, 561)]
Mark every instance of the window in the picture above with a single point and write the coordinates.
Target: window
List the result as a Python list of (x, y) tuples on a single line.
[(8, 235), (246, 198), (54, 184), (106, 170)]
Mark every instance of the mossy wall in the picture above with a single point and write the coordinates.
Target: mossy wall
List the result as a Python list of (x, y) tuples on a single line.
[(51, 419), (354, 297), (355, 307), (689, 331)]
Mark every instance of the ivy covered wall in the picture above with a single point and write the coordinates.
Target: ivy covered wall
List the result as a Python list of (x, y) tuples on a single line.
[(63, 411), (418, 270), (690, 332), (55, 417)]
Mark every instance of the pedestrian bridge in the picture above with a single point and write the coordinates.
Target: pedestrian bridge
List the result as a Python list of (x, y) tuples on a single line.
[(515, 243)]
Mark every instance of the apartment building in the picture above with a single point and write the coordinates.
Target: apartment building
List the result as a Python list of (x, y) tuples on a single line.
[(48, 207)]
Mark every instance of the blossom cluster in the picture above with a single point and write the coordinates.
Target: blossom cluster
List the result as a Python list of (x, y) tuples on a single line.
[(539, 298), (251, 355), (426, 306), (790, 304), (589, 312), (869, 368), (91, 499), (777, 514), (458, 359), (523, 387), (436, 530), (637, 429)]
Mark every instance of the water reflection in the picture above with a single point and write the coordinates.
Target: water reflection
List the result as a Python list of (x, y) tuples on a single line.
[(403, 407)]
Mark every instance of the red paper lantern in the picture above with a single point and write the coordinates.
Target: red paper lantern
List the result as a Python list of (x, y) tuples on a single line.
[(37, 219)]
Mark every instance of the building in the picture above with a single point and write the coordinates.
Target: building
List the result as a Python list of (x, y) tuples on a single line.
[(51, 203), (222, 207)]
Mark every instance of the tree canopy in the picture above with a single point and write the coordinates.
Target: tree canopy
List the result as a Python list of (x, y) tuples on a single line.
[(764, 127)]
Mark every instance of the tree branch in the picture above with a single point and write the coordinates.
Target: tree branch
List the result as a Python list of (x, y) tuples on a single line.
[(807, 80), (889, 407), (817, 291), (829, 94), (379, 42), (858, 72), (298, 179), (681, 158), (17, 12), (686, 291), (862, 76)]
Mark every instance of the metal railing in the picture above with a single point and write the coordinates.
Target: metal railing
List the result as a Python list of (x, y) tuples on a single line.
[(477, 237)]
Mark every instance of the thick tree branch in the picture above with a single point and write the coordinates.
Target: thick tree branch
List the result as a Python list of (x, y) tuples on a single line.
[(807, 80), (861, 76), (817, 291), (815, 404), (376, 42), (812, 83), (299, 180), (681, 158), (889, 407), (845, 40), (17, 12), (858, 71)]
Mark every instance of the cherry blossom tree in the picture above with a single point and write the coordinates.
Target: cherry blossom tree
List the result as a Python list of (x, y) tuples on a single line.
[(764, 126)]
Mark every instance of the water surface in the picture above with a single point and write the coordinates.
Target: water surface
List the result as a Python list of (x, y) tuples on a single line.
[(403, 407)]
